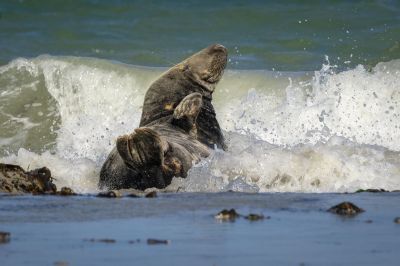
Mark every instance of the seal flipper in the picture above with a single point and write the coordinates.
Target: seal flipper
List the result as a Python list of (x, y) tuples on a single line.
[(185, 114), (142, 148), (144, 151)]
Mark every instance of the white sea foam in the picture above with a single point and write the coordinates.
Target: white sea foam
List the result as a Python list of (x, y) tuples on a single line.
[(360, 105), (338, 165), (318, 132)]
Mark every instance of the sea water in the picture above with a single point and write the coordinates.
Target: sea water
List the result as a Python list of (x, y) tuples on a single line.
[(310, 100), (296, 230)]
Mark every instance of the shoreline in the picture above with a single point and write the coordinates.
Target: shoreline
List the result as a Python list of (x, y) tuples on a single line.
[(299, 231)]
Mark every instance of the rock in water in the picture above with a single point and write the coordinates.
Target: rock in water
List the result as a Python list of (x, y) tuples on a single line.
[(255, 217), (227, 215), (14, 179), (4, 237), (152, 241), (102, 240), (346, 209), (110, 194), (152, 194), (66, 191)]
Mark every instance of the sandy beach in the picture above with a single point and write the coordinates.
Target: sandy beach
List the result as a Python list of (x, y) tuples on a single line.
[(84, 230)]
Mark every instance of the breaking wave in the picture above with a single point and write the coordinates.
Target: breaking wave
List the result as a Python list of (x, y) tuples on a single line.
[(322, 131)]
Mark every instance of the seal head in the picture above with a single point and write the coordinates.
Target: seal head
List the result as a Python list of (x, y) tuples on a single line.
[(206, 67)]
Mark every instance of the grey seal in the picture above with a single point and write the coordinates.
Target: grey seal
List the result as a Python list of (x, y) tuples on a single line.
[(178, 126)]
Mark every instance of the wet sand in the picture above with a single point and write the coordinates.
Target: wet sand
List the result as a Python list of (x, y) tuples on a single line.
[(85, 230)]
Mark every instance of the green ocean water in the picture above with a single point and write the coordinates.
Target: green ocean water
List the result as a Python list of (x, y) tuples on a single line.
[(280, 35)]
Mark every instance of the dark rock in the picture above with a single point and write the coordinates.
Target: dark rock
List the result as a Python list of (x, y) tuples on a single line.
[(368, 221), (42, 176), (66, 191), (397, 190), (372, 190), (227, 215), (345, 208), (109, 194), (14, 179), (133, 195), (397, 220), (152, 241), (102, 240), (4, 237), (255, 217), (152, 194), (61, 263)]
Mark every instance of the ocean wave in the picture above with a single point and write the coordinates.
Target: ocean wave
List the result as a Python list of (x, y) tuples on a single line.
[(338, 165), (322, 131)]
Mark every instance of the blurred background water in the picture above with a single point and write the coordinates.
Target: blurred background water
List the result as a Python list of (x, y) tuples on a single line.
[(281, 35)]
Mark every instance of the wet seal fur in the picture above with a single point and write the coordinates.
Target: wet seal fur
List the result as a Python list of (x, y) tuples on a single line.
[(177, 128)]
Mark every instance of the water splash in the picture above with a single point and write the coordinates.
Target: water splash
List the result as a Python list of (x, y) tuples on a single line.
[(325, 131), (360, 105), (339, 165)]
